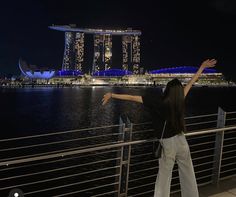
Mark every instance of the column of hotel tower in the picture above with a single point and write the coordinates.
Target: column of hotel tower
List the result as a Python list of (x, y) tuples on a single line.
[(97, 53), (102, 52), (131, 53), (108, 51), (79, 51), (125, 52), (69, 57), (136, 54)]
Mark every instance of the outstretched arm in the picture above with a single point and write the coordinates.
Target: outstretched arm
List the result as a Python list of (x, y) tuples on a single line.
[(206, 64), (126, 97)]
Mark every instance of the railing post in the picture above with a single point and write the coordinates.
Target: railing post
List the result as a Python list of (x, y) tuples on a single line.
[(218, 146), (125, 157)]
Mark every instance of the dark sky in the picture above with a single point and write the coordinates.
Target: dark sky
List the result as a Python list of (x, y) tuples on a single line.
[(174, 33)]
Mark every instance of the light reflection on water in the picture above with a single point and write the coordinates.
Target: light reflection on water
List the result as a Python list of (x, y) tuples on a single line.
[(29, 111)]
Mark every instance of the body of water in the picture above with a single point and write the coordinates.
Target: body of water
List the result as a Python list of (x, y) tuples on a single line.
[(29, 111)]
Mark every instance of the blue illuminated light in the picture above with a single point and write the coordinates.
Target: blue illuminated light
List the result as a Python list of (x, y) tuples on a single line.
[(112, 72), (69, 73), (40, 74), (182, 69)]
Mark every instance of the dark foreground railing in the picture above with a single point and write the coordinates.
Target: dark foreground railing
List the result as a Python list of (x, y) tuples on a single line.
[(113, 160)]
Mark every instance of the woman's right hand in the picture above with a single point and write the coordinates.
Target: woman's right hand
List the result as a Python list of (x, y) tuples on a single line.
[(106, 98), (208, 63)]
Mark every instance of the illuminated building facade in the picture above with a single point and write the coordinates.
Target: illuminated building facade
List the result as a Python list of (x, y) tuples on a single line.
[(102, 52), (79, 51), (33, 72), (74, 51), (102, 59), (131, 53)]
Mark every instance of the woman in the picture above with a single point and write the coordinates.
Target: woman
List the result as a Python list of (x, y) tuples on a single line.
[(169, 107)]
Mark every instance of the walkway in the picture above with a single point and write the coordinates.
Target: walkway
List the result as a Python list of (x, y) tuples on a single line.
[(226, 188)]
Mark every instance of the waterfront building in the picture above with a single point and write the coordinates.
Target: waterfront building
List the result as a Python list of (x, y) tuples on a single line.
[(119, 76), (209, 76), (102, 59), (34, 72)]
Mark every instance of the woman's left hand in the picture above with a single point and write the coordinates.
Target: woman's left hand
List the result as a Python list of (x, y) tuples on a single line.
[(209, 63), (106, 98)]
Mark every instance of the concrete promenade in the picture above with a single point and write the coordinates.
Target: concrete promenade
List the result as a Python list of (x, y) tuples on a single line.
[(226, 188)]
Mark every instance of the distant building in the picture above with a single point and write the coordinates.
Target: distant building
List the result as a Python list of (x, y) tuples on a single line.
[(33, 72), (185, 73), (102, 59)]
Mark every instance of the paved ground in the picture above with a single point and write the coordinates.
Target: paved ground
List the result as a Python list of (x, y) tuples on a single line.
[(226, 188)]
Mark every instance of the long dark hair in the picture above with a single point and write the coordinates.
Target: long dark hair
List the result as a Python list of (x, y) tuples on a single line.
[(174, 100)]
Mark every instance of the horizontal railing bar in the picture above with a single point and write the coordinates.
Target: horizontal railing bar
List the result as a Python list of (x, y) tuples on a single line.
[(227, 177), (229, 151), (229, 145), (202, 164), (143, 170), (144, 146), (138, 124), (87, 189), (108, 146), (175, 170), (144, 185), (141, 155), (58, 153), (71, 184), (142, 131), (59, 142), (229, 158), (145, 177), (59, 169), (229, 119), (224, 171), (200, 116), (199, 144), (199, 137), (57, 178), (211, 131), (203, 177), (150, 191), (105, 193), (230, 132), (201, 123), (203, 157), (135, 164), (200, 171), (199, 151), (205, 183), (49, 162), (232, 112), (228, 164), (72, 152), (58, 133), (230, 138), (176, 184)]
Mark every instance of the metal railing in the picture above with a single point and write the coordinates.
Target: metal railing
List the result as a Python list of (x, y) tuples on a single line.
[(113, 160)]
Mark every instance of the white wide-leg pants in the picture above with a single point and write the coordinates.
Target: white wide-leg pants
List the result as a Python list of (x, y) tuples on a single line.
[(176, 148)]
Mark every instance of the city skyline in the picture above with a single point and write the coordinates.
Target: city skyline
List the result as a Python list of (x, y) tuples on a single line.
[(173, 33)]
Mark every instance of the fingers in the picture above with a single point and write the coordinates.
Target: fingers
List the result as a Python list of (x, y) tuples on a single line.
[(209, 63), (105, 99), (212, 61)]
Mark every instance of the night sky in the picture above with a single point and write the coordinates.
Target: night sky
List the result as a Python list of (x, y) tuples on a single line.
[(174, 33)]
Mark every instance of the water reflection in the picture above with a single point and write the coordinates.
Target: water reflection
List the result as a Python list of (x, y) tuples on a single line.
[(27, 111)]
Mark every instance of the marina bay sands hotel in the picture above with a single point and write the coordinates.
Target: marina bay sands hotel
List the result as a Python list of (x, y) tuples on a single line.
[(102, 58)]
